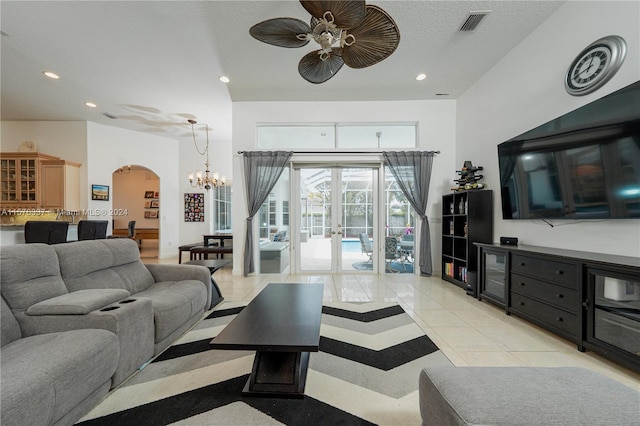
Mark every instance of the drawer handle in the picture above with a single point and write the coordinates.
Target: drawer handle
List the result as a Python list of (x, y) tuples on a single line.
[(559, 319), (521, 303), (521, 263), (522, 284), (559, 272), (559, 296)]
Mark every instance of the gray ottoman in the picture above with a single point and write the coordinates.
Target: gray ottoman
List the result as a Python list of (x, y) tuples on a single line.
[(524, 396)]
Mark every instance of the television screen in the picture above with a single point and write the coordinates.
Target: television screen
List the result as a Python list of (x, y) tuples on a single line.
[(583, 165)]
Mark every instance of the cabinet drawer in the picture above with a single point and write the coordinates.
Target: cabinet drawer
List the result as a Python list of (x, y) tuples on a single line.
[(561, 273), (544, 313), (553, 294)]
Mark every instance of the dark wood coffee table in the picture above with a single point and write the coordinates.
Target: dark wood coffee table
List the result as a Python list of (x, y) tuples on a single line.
[(282, 324)]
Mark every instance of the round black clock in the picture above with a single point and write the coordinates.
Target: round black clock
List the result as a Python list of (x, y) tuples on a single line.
[(595, 65)]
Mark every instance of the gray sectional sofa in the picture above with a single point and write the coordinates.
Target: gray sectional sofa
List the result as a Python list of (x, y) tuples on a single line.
[(79, 318)]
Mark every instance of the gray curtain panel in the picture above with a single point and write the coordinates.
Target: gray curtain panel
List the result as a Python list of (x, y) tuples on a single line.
[(262, 170), (412, 171)]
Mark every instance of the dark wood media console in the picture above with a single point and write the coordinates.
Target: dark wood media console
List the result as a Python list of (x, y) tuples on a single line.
[(592, 299), (282, 324)]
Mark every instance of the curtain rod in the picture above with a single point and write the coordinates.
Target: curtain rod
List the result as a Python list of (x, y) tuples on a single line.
[(338, 152)]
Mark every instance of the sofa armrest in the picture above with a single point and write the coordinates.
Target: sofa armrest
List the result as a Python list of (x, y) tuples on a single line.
[(79, 302), (166, 272)]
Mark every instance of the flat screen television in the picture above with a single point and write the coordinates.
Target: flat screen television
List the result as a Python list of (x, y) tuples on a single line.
[(582, 165)]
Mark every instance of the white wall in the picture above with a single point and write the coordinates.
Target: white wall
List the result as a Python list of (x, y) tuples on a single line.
[(526, 89), (436, 131), (109, 148)]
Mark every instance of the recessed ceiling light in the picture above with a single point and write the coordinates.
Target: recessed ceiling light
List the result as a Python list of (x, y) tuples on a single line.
[(90, 104), (52, 75), (224, 79), (421, 77)]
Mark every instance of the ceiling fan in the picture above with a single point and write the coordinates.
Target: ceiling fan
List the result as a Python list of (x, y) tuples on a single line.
[(348, 32)]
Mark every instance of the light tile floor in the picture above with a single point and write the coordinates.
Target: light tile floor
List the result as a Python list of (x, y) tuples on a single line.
[(468, 331)]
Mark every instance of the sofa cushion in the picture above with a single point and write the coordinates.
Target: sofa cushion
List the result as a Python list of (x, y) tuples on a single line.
[(110, 263), (174, 303), (10, 328), (46, 376), (30, 274), (79, 302), (523, 395)]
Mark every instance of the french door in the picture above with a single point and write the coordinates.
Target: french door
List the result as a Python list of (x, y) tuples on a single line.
[(335, 206)]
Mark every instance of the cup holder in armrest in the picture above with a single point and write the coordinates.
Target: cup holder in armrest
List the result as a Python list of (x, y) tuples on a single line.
[(127, 301), (109, 308)]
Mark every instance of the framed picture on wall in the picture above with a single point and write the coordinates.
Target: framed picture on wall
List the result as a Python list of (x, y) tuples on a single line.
[(155, 204), (100, 192), (148, 194), (194, 207)]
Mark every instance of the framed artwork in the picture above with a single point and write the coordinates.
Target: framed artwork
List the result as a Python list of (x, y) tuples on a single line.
[(155, 204), (156, 194), (151, 214), (100, 192), (147, 204), (148, 194), (194, 207)]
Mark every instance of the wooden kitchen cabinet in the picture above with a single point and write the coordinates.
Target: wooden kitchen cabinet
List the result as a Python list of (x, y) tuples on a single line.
[(20, 180), (32, 180), (60, 185)]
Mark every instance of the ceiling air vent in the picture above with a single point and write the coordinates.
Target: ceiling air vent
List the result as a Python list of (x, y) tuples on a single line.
[(473, 20)]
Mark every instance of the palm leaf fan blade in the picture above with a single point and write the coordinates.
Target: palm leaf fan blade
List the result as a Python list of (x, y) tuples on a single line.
[(315, 70), (346, 13), (282, 32), (375, 39)]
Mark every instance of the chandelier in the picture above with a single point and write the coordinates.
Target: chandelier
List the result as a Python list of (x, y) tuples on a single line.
[(198, 180)]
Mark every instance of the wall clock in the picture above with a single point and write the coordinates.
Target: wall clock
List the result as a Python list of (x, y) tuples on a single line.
[(595, 65), (27, 146)]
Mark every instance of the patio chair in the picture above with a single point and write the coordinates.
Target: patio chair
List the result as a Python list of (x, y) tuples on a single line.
[(390, 253), (406, 248), (367, 246)]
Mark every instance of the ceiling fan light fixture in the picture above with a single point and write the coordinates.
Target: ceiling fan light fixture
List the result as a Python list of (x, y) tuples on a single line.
[(347, 31)]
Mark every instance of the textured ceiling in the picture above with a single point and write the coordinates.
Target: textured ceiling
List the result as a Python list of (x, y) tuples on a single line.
[(154, 64)]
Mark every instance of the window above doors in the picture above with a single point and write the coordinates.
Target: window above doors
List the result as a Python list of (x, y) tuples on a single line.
[(331, 136)]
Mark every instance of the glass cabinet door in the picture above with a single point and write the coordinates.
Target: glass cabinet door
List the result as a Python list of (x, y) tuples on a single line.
[(614, 314), (493, 285)]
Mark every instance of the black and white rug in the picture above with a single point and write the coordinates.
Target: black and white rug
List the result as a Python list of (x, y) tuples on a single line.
[(365, 373)]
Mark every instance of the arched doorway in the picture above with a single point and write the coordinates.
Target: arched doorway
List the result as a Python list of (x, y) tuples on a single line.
[(136, 197)]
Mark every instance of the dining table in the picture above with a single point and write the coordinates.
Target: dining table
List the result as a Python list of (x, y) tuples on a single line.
[(220, 237)]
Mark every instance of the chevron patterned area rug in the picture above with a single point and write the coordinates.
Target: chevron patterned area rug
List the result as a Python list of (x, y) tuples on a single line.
[(365, 373)]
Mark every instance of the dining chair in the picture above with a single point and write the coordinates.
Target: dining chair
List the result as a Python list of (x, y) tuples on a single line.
[(45, 231), (92, 229)]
